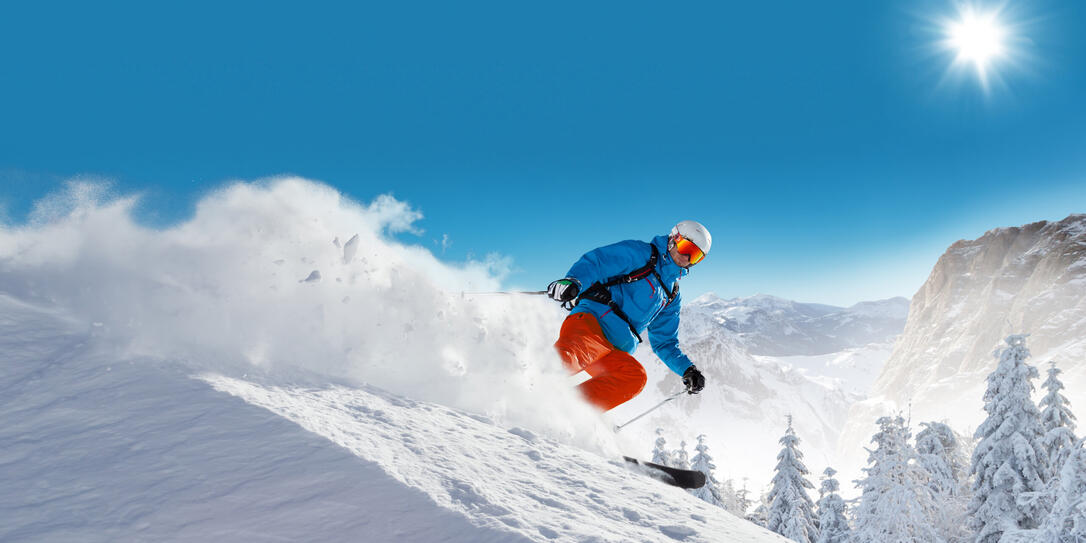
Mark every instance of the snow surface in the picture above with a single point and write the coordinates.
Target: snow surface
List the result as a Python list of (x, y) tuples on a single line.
[(184, 385), (851, 370), (101, 449)]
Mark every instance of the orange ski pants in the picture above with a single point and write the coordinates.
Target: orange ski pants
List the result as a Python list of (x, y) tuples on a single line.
[(616, 376)]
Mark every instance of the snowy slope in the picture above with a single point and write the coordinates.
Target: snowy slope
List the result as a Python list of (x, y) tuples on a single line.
[(102, 449), (105, 449), (203, 383), (852, 371)]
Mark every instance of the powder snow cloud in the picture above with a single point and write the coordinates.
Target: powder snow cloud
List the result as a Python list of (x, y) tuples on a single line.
[(288, 280)]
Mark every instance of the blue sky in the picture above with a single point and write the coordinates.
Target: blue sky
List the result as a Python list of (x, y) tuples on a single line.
[(829, 147)]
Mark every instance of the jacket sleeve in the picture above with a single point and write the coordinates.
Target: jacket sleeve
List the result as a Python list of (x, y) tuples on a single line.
[(664, 337), (605, 262)]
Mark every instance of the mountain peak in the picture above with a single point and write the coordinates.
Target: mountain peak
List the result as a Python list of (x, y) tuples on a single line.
[(766, 300)]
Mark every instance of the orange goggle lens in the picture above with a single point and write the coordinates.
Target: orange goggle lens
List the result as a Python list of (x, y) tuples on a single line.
[(686, 247)]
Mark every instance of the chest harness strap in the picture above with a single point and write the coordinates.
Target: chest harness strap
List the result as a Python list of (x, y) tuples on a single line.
[(601, 292)]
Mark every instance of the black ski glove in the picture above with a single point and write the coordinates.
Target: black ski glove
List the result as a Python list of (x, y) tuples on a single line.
[(563, 290), (693, 380)]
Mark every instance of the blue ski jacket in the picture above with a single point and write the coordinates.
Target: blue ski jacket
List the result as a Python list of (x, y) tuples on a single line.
[(643, 301)]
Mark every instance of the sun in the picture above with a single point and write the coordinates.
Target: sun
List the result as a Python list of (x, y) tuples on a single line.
[(978, 39)]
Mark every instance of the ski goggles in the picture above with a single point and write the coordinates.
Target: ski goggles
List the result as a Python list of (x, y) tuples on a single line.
[(686, 247)]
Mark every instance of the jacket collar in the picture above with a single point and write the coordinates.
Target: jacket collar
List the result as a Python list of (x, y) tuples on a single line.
[(666, 266)]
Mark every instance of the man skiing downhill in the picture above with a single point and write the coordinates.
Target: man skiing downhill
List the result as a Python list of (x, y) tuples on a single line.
[(615, 293)]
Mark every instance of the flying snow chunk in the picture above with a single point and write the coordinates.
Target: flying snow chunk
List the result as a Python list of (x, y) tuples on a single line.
[(350, 249), (314, 277), (454, 362)]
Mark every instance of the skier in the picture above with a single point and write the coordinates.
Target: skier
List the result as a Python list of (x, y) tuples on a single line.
[(614, 293)]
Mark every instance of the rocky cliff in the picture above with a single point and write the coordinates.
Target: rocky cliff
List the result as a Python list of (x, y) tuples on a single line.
[(1028, 279)]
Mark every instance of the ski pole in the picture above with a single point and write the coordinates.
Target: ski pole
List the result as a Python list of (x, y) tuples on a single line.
[(653, 408)]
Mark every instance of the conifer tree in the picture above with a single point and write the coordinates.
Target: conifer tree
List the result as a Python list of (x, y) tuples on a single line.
[(760, 515), (660, 454), (1058, 421), (743, 502), (1010, 461), (789, 505), (897, 505), (680, 457), (702, 462), (1067, 522), (832, 522), (939, 452), (730, 499)]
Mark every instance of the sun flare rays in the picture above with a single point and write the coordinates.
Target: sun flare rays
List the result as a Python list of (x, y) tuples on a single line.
[(984, 42)]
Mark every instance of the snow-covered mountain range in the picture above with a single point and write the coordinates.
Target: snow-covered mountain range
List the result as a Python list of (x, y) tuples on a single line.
[(839, 347), (773, 326), (1029, 279)]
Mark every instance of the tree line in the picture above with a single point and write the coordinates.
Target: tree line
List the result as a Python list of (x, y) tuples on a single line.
[(1020, 478)]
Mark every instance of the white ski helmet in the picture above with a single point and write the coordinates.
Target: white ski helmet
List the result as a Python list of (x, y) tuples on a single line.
[(695, 232)]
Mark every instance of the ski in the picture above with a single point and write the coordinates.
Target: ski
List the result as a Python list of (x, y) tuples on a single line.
[(682, 478)]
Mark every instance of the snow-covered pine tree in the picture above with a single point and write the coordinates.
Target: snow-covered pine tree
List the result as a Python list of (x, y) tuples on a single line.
[(760, 515), (832, 522), (730, 499), (1010, 461), (660, 454), (680, 457), (789, 505), (742, 500), (1058, 421), (941, 454), (897, 505), (704, 463), (1067, 522)]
